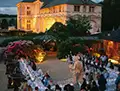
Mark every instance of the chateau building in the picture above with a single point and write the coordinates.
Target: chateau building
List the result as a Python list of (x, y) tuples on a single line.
[(40, 15)]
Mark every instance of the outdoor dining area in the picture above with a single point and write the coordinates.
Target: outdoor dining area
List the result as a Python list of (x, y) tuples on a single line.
[(109, 44), (22, 72), (20, 58)]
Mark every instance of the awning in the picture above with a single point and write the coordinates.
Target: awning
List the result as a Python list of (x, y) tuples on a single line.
[(113, 36)]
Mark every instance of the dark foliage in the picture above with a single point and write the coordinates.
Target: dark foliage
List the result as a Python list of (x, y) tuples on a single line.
[(110, 14), (78, 25), (4, 24), (70, 45)]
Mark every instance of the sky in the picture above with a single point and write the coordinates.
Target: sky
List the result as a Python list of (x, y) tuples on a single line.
[(9, 6)]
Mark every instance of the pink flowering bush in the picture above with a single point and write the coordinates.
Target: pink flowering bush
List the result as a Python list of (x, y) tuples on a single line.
[(26, 48)]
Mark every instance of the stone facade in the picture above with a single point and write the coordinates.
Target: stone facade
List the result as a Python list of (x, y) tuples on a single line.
[(32, 16)]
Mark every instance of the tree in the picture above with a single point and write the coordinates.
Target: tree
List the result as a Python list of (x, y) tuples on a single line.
[(0, 24), (58, 26), (70, 45), (4, 24), (78, 25), (110, 14), (59, 31), (12, 22), (75, 26)]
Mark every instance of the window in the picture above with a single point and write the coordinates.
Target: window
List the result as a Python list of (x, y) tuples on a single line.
[(28, 21), (28, 12), (28, 7), (60, 9), (84, 8), (77, 8), (28, 26), (50, 10), (53, 9), (91, 9), (63, 8)]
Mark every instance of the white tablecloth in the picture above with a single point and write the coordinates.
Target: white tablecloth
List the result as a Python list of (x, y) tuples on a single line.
[(33, 77)]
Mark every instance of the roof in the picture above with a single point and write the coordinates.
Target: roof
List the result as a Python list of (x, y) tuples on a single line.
[(45, 2), (58, 24), (28, 0), (95, 38), (113, 36), (73, 2), (50, 3)]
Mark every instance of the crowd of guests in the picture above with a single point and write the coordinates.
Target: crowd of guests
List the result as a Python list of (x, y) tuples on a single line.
[(13, 71), (89, 72), (95, 72)]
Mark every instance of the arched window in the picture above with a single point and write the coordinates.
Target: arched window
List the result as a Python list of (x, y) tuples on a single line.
[(28, 21), (28, 12), (53, 9), (28, 7), (28, 26), (84, 8), (60, 9)]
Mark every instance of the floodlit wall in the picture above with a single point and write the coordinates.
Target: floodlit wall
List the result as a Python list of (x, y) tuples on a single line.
[(32, 17)]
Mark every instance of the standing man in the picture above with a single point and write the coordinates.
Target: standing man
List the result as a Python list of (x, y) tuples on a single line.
[(78, 71)]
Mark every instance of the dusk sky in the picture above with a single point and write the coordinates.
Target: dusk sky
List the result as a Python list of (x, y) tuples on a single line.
[(9, 6)]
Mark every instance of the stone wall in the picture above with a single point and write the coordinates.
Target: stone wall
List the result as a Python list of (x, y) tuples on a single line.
[(31, 17)]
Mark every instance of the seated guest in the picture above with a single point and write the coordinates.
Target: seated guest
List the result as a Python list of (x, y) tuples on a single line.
[(69, 59), (119, 68), (84, 84), (46, 90), (117, 81), (68, 87), (47, 75), (33, 65), (97, 61), (57, 88), (86, 76), (111, 65), (9, 83), (72, 88), (90, 77), (17, 84), (102, 83), (46, 79), (118, 87), (49, 88), (102, 68), (26, 87), (106, 61), (108, 65), (36, 89), (82, 90), (88, 87), (94, 86), (106, 73)]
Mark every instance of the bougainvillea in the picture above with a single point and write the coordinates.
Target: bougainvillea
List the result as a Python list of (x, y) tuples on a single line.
[(26, 48)]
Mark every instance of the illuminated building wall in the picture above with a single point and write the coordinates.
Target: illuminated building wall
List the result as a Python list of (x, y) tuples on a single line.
[(32, 16)]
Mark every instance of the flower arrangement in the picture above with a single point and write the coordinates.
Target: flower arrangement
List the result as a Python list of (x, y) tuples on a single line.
[(25, 48)]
